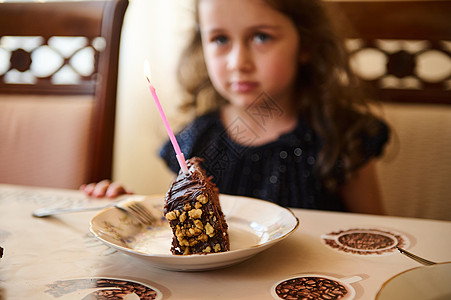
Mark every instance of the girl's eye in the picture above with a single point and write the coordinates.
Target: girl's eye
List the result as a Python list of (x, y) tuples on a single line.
[(261, 37), (220, 40)]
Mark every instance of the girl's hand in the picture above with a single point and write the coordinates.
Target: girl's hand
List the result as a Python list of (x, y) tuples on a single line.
[(104, 188)]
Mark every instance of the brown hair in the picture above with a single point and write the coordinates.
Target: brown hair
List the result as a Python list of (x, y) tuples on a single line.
[(330, 97)]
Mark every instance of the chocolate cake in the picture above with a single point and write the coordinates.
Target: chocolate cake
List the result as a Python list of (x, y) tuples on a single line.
[(194, 213)]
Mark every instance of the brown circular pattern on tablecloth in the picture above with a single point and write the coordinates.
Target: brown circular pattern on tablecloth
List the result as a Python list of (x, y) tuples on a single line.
[(107, 288), (364, 241), (310, 287)]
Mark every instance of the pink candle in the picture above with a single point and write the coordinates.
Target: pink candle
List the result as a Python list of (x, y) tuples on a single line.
[(175, 144)]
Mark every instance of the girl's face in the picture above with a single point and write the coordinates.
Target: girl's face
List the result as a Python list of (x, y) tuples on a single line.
[(249, 48)]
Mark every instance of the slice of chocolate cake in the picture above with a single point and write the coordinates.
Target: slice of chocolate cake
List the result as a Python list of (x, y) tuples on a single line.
[(194, 213)]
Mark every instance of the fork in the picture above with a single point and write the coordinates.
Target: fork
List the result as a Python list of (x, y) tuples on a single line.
[(50, 211), (131, 207), (138, 211), (421, 260)]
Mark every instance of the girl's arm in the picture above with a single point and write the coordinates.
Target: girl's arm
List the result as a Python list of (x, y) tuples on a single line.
[(362, 194), (104, 188)]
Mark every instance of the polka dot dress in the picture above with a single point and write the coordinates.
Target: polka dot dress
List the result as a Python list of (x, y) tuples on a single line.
[(281, 171)]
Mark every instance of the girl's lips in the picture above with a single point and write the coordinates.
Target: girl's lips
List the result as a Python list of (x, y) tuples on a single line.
[(243, 86)]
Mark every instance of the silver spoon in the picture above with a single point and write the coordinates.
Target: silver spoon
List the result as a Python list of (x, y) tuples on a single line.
[(421, 260)]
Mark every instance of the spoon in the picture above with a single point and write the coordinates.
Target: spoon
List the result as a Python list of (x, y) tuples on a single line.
[(421, 260)]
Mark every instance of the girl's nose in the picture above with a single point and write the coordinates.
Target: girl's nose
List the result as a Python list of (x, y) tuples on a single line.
[(240, 59)]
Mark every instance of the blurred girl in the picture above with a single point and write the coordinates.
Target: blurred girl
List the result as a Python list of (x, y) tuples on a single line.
[(279, 114)]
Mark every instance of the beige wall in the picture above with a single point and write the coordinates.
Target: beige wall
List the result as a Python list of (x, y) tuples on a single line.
[(153, 29)]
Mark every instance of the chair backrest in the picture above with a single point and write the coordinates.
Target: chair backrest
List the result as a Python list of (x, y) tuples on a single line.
[(58, 82), (403, 50)]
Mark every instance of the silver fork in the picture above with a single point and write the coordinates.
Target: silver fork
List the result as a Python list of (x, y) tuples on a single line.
[(131, 207), (421, 260), (138, 211)]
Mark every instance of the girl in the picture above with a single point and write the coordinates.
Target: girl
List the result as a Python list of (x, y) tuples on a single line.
[(281, 116)]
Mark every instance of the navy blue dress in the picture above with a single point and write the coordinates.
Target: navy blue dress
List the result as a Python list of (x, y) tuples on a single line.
[(281, 171)]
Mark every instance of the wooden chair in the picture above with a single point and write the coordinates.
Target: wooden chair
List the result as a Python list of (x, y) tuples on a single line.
[(403, 50), (58, 82)]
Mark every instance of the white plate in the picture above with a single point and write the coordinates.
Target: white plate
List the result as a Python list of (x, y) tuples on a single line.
[(254, 225), (431, 282)]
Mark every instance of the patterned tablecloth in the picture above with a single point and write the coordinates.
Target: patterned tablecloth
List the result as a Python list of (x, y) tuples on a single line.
[(331, 255)]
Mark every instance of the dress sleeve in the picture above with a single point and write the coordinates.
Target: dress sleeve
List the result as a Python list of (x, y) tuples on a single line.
[(373, 146), (168, 155), (187, 138)]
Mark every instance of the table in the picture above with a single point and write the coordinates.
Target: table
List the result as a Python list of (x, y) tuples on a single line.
[(43, 253)]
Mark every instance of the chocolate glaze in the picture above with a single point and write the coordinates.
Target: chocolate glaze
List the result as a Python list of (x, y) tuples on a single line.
[(184, 192), (188, 187)]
